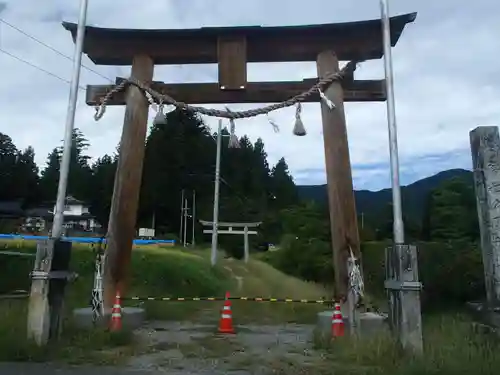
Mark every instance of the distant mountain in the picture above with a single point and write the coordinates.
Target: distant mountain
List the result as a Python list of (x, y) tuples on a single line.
[(372, 202)]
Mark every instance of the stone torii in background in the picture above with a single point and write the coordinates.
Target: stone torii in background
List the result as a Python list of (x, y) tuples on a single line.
[(232, 48), (245, 232)]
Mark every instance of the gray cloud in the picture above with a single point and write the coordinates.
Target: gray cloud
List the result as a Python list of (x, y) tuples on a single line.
[(445, 70)]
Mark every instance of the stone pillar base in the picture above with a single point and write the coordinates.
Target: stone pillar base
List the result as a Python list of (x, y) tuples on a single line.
[(132, 318)]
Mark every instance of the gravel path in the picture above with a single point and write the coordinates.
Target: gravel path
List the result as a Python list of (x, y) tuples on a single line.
[(183, 348), (197, 349)]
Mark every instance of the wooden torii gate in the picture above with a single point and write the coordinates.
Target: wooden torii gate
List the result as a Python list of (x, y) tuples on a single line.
[(232, 48)]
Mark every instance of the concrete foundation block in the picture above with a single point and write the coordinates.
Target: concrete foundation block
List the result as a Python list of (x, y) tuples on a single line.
[(370, 324), (132, 318), (481, 313)]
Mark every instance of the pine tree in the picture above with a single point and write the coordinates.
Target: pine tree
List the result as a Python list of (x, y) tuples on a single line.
[(80, 173), (100, 195), (50, 176), (8, 158), (26, 177), (283, 188)]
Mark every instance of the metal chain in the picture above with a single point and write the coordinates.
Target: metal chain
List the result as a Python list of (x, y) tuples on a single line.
[(319, 86)]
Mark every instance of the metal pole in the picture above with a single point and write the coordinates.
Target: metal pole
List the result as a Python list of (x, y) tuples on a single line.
[(70, 123), (397, 211), (185, 220), (182, 215), (215, 219), (194, 217)]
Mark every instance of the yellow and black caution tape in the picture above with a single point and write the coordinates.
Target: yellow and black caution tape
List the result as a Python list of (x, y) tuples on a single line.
[(252, 299)]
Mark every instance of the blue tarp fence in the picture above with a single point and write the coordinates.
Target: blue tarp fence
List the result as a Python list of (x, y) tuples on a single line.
[(80, 239)]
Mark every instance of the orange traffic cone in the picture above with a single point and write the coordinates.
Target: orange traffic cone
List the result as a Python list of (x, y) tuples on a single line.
[(226, 319), (116, 315), (337, 322)]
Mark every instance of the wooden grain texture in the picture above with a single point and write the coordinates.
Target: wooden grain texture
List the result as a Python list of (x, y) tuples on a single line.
[(255, 92), (125, 201), (342, 206), (232, 62)]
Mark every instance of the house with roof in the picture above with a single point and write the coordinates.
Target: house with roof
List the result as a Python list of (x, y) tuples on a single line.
[(11, 210), (77, 217), (11, 215)]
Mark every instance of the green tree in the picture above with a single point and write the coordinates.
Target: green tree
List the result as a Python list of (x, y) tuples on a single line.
[(80, 173), (283, 189), (103, 177), (451, 212), (179, 155), (384, 230), (8, 159), (26, 177), (50, 176)]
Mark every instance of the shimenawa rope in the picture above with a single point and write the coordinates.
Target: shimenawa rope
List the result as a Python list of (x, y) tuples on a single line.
[(155, 97)]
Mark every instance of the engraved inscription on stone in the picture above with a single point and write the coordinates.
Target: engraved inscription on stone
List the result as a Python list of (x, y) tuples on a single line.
[(493, 187), (494, 204), (485, 147)]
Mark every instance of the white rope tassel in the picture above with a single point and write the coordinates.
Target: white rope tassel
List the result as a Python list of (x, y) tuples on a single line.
[(100, 110), (233, 139), (151, 101), (160, 118), (275, 126), (325, 100), (299, 128)]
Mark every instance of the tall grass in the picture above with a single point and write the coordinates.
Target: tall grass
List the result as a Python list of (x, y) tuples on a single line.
[(451, 347)]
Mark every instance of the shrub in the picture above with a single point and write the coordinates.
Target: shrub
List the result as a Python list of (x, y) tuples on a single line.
[(452, 272), (233, 246), (309, 259)]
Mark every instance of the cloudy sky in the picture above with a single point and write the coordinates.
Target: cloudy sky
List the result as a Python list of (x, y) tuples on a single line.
[(445, 65)]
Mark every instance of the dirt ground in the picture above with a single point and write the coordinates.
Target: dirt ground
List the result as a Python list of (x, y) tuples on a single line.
[(198, 349), (176, 348)]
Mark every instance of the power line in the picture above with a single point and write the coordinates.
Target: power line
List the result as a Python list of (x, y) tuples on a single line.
[(38, 68), (52, 48)]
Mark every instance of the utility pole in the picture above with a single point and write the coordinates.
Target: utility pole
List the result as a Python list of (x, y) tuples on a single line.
[(182, 216), (194, 218), (215, 220), (185, 221), (402, 281), (46, 295)]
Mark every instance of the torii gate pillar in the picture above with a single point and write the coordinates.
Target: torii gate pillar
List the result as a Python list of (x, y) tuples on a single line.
[(342, 206), (125, 201)]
